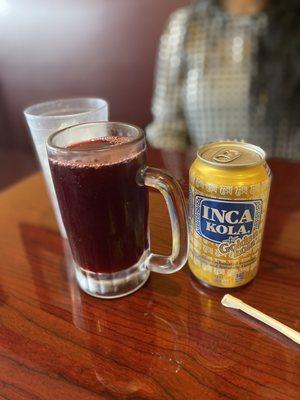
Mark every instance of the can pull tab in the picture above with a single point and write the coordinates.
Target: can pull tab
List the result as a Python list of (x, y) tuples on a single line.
[(226, 156)]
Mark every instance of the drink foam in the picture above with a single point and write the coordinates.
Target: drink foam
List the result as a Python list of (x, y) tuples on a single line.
[(109, 153)]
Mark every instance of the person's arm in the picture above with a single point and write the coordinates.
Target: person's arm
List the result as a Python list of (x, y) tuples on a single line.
[(168, 129)]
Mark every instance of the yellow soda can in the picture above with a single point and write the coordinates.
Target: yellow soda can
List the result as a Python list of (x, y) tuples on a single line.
[(229, 184)]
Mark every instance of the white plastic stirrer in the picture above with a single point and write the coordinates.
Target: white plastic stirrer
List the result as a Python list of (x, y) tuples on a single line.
[(233, 302)]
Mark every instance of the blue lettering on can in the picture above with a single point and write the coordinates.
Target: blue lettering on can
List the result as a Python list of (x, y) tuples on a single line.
[(219, 220)]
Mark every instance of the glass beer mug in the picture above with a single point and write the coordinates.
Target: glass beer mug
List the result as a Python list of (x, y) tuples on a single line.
[(101, 181)]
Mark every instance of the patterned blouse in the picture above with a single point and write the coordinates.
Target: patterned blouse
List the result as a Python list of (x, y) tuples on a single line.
[(210, 84)]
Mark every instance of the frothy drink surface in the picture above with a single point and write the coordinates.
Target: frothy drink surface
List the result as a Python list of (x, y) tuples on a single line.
[(103, 208)]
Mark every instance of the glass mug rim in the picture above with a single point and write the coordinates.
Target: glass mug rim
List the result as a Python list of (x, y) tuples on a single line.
[(140, 136), (32, 110)]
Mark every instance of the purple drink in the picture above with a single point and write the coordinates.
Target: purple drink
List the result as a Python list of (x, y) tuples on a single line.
[(104, 210)]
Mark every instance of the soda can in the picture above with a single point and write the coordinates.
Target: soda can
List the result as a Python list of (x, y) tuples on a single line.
[(229, 184)]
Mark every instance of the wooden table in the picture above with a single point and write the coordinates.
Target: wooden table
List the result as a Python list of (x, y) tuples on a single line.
[(170, 340)]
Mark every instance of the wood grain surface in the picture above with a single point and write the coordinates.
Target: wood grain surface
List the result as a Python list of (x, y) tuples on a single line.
[(170, 340)]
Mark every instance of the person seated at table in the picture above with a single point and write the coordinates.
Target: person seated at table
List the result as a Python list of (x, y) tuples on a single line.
[(229, 69)]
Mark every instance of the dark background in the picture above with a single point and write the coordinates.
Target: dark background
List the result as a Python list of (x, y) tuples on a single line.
[(65, 48)]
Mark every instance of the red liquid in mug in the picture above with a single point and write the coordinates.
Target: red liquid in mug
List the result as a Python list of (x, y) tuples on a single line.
[(104, 210)]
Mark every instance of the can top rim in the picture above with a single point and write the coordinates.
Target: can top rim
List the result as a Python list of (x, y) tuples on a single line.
[(231, 154)]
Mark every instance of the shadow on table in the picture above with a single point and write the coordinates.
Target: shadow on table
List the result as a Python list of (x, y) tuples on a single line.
[(44, 250)]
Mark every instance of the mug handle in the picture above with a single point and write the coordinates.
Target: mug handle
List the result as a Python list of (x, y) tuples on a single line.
[(173, 195)]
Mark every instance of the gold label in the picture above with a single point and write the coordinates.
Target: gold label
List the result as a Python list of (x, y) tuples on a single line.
[(226, 228)]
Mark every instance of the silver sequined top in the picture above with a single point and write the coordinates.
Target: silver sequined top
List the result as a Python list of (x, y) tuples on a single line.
[(205, 65)]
